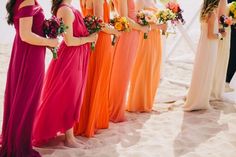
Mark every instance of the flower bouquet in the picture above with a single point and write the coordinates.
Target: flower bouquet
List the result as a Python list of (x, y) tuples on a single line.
[(145, 18), (94, 24), (165, 15), (54, 28), (232, 9), (121, 24), (175, 8), (225, 22)]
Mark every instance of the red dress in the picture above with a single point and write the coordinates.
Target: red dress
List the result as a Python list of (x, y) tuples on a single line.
[(64, 87), (23, 88)]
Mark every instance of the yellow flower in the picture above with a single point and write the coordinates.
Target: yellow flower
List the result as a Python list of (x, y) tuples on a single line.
[(123, 19), (118, 26)]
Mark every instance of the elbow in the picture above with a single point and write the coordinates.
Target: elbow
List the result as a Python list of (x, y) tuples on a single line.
[(211, 36), (68, 42), (25, 37)]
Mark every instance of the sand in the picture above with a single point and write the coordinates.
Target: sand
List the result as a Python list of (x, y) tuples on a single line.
[(165, 132)]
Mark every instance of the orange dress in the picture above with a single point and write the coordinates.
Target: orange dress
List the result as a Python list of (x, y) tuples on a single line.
[(83, 8), (124, 56), (145, 76), (95, 109)]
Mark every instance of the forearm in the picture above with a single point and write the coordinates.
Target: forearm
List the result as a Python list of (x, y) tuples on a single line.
[(34, 39), (76, 41), (134, 25)]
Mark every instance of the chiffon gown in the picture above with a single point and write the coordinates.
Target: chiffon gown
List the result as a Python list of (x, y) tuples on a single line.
[(203, 71), (23, 88), (221, 67), (95, 111), (64, 87), (145, 76), (124, 57)]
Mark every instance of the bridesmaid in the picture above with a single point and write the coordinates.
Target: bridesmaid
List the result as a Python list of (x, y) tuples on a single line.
[(222, 58), (65, 80), (24, 78), (205, 62), (95, 111), (145, 76), (124, 55), (232, 59)]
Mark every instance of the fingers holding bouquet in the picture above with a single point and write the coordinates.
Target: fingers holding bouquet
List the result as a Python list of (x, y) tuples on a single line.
[(120, 24), (94, 25)]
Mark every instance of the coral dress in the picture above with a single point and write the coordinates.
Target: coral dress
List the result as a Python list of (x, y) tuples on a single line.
[(95, 111), (23, 88), (203, 72), (124, 57), (145, 76), (64, 87)]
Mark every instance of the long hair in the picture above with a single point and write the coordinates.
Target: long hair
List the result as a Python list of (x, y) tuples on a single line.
[(55, 6), (10, 11), (207, 8)]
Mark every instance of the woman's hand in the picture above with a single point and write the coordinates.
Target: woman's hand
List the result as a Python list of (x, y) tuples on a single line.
[(223, 34), (145, 29), (53, 42), (93, 37)]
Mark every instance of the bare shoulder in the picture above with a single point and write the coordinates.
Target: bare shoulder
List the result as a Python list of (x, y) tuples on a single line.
[(27, 3), (65, 11), (212, 16)]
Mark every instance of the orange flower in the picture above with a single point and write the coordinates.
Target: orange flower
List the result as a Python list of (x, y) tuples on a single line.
[(118, 26), (229, 21)]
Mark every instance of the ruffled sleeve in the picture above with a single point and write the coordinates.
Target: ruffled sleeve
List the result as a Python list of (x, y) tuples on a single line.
[(27, 11)]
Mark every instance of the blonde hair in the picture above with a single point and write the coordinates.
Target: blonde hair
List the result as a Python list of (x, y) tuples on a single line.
[(207, 8)]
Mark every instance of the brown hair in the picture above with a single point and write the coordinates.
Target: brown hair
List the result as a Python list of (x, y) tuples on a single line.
[(207, 8), (10, 11), (55, 6)]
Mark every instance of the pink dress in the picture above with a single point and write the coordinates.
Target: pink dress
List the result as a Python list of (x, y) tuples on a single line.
[(124, 56), (64, 87), (23, 88)]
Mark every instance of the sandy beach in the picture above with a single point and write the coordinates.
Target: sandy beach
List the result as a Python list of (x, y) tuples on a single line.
[(165, 132)]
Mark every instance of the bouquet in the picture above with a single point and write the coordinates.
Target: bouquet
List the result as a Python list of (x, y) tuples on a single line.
[(54, 28), (121, 24), (165, 15), (232, 9), (145, 18), (175, 8), (94, 24), (225, 22)]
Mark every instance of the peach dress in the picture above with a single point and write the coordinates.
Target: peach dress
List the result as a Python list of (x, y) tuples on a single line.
[(124, 57), (145, 76), (95, 110)]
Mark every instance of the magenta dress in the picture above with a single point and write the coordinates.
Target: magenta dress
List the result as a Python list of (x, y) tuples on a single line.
[(64, 87), (23, 88)]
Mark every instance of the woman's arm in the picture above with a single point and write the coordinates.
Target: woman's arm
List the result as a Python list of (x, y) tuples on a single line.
[(99, 12), (123, 11), (68, 17), (26, 34), (211, 22)]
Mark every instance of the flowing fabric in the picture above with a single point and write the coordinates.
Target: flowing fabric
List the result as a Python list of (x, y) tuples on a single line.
[(145, 76), (124, 57), (94, 112), (203, 72), (221, 67), (64, 87), (23, 88)]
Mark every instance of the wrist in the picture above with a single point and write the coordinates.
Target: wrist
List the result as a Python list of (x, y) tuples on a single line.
[(219, 36)]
